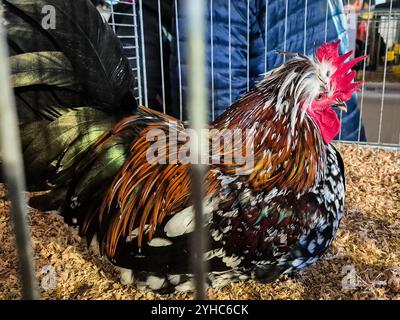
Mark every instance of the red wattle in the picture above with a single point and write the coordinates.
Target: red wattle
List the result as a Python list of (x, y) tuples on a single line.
[(327, 122)]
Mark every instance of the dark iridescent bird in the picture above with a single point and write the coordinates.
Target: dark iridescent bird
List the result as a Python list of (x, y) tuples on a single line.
[(85, 141)]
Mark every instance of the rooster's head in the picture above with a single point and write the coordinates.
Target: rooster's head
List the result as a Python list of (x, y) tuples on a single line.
[(334, 87)]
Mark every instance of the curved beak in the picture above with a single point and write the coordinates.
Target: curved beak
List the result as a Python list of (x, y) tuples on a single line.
[(340, 105)]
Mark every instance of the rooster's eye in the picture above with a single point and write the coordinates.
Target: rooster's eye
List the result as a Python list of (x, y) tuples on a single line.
[(319, 96), (328, 73)]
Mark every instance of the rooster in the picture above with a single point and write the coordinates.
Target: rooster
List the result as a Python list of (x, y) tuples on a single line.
[(85, 142)]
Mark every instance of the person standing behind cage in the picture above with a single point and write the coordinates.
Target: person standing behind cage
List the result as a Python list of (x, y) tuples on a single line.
[(119, 14), (242, 38)]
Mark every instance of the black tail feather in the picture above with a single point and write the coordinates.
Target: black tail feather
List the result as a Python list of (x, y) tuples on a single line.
[(90, 45)]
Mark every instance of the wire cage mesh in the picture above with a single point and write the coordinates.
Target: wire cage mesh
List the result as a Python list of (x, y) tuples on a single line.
[(379, 39), (155, 29), (150, 30)]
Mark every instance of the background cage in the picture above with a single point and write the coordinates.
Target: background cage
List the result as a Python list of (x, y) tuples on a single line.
[(377, 101)]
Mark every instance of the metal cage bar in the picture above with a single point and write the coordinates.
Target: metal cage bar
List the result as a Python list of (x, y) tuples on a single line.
[(212, 60), (161, 54), (286, 27), (143, 54), (305, 27), (179, 60), (230, 50), (197, 105), (266, 38), (14, 173), (363, 76), (136, 47)]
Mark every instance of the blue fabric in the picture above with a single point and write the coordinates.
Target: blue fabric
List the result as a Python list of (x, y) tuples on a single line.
[(350, 122), (252, 50)]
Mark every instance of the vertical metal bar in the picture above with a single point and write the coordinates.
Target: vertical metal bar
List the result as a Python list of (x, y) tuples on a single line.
[(363, 76), (178, 49), (375, 40), (14, 173), (137, 52), (161, 54), (286, 26), (248, 46), (266, 38), (197, 104), (112, 17), (326, 36), (305, 28), (146, 101), (326, 20), (340, 120), (325, 40), (212, 60), (230, 51), (384, 73)]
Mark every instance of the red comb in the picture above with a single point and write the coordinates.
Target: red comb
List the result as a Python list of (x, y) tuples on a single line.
[(328, 51), (342, 77)]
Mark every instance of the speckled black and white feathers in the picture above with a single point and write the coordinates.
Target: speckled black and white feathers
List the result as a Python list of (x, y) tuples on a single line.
[(252, 235)]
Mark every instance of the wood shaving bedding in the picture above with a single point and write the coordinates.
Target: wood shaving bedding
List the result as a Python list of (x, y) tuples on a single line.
[(363, 263)]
